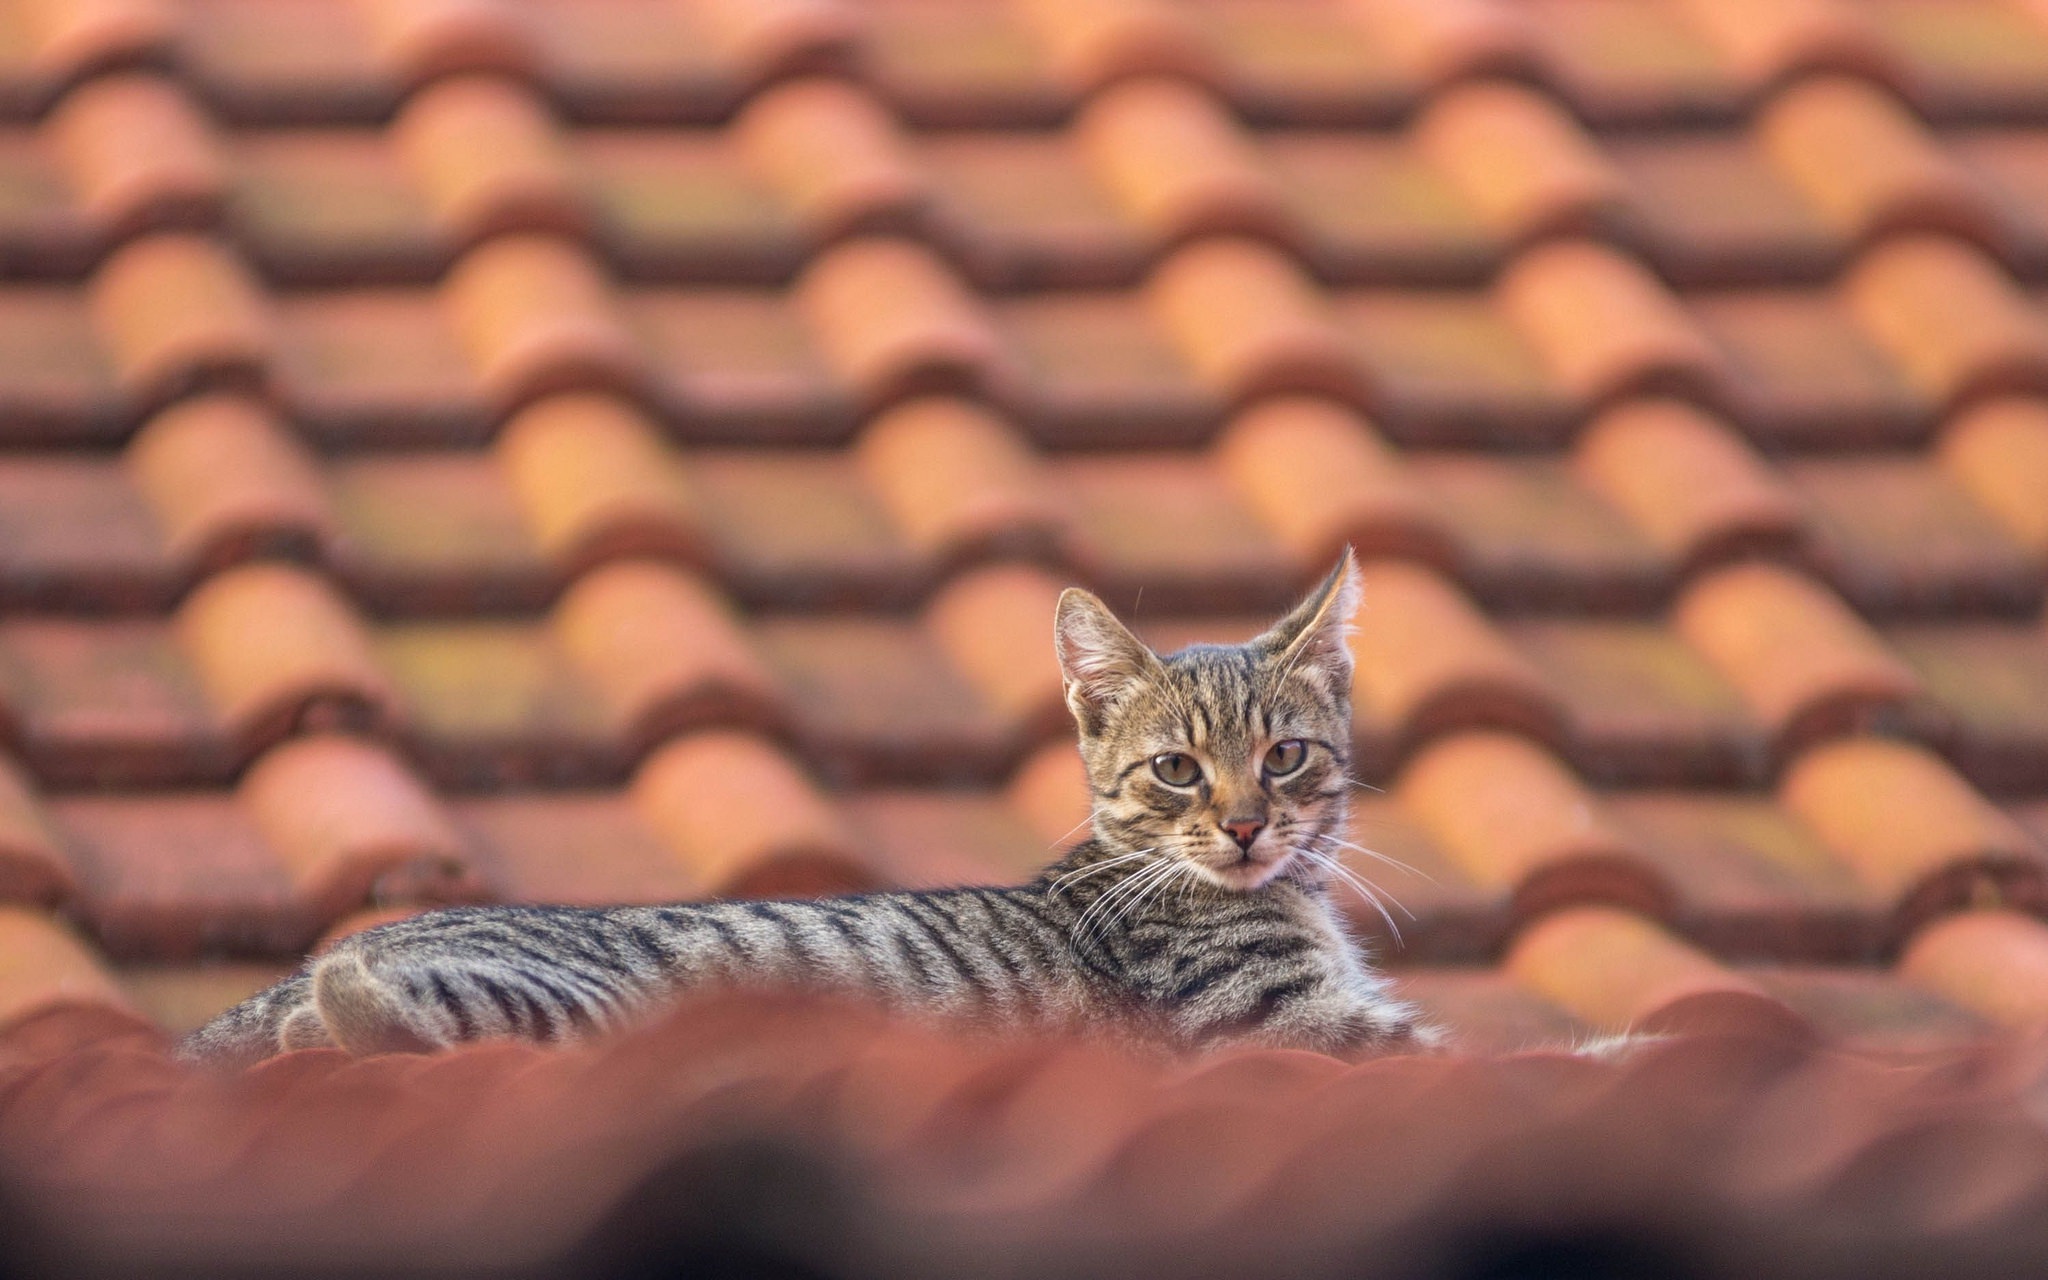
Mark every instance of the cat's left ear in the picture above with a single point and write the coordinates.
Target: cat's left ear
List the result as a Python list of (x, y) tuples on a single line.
[(1316, 632)]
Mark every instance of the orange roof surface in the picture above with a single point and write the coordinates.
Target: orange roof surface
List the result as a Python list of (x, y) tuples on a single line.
[(627, 450)]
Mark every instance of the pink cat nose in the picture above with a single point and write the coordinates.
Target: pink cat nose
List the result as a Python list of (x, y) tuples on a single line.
[(1244, 830)]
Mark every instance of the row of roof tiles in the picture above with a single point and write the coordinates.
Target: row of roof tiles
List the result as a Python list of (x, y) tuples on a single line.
[(1573, 972), (1826, 165), (1652, 493), (1033, 61), (1753, 663), (1918, 326), (1862, 842)]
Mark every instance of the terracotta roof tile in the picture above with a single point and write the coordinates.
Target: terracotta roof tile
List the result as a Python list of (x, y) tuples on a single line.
[(989, 623), (1175, 163), (1519, 159), (34, 867), (1171, 527), (1709, 208), (486, 157), (1864, 162), (1999, 453), (173, 309), (1321, 477), (744, 819), (759, 39), (1428, 661), (1687, 482), (79, 536), (594, 479), (1951, 320), (1438, 42), (1050, 792), (1617, 61), (1910, 827), (422, 39), (1805, 374), (227, 483), (1372, 207), (48, 966), (135, 152), (1603, 325), (1995, 962), (353, 826), (1766, 41), (534, 315), (276, 649), (1803, 662), (1248, 323), (1990, 681), (1449, 368), (1977, 58), (1090, 42), (662, 650), (1516, 820), (833, 155), (957, 481), (891, 321), (1615, 969), (573, 846)]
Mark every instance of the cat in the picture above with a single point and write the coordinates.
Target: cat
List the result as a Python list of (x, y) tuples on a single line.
[(1196, 914)]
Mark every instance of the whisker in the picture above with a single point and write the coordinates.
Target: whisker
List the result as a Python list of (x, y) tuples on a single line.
[(1374, 854), (1101, 906), (1062, 838), (1367, 890), (1082, 873), (1129, 893)]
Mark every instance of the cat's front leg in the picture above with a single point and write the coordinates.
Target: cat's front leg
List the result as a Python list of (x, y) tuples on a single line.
[(1343, 1019)]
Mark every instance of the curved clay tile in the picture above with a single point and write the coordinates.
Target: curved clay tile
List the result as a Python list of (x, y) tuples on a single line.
[(1992, 961), (227, 483), (995, 624), (1999, 452), (1176, 163), (488, 157), (1614, 968), (958, 480), (891, 321), (1249, 322), (833, 154), (136, 151), (535, 314), (595, 479), (1863, 161), (1519, 159), (1951, 319), (173, 307)]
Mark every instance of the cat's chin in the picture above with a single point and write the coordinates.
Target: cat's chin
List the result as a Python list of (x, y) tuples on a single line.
[(1246, 874)]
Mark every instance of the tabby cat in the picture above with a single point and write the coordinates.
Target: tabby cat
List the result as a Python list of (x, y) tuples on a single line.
[(1197, 912)]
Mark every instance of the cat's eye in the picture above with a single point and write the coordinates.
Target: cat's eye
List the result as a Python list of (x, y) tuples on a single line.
[(1283, 758), (1176, 769)]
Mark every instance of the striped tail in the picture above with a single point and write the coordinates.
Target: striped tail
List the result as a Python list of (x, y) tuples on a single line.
[(363, 1013)]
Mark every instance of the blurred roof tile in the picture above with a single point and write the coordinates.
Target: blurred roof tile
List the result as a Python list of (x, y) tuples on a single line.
[(1999, 453), (1093, 41), (1519, 159), (1439, 41), (1766, 40), (759, 38), (1248, 322), (662, 650), (892, 321), (1429, 661), (34, 867), (77, 535), (1951, 319), (745, 819), (1372, 207), (1320, 477), (1450, 367), (354, 826), (1995, 962), (1617, 60), (582, 848), (1910, 827), (227, 483), (1516, 820), (1990, 680), (1976, 58), (487, 158), (833, 154), (990, 623), (173, 308), (1050, 791), (1805, 374), (1097, 373), (1864, 162), (957, 481), (106, 702), (360, 366), (48, 966), (1802, 661), (1169, 531), (1176, 163), (423, 39), (1691, 485), (1614, 968), (1603, 324), (137, 153), (595, 479), (1708, 207), (277, 648), (534, 314)]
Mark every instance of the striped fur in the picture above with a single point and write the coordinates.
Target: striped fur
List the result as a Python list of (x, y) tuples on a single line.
[(1163, 925)]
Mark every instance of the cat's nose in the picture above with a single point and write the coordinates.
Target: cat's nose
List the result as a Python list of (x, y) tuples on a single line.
[(1244, 830)]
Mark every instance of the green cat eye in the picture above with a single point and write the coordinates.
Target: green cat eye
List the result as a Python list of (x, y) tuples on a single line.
[(1283, 758), (1176, 769)]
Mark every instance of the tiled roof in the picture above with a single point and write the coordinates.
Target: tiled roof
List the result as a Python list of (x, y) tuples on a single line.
[(623, 450)]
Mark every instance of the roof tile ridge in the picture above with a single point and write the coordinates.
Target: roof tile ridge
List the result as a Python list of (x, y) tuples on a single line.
[(1520, 159), (354, 825), (664, 652), (1518, 821), (74, 38), (745, 817), (1249, 321), (35, 862), (1992, 960), (960, 482), (279, 651), (1092, 42), (764, 39), (138, 153), (993, 623), (1430, 662), (537, 314), (1768, 40), (1998, 452), (419, 40), (835, 154), (175, 310), (1443, 40), (1179, 164), (229, 483), (489, 157), (596, 479), (1951, 318), (1806, 664)]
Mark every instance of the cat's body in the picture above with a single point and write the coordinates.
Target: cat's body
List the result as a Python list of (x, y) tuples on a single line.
[(1196, 914)]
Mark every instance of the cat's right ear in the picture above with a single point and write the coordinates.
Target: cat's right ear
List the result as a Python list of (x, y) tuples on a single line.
[(1100, 660)]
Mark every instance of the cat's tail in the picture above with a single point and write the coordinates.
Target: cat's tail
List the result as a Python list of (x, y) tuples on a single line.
[(361, 1011)]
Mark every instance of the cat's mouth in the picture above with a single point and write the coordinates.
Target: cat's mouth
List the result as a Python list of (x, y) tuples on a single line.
[(1245, 869)]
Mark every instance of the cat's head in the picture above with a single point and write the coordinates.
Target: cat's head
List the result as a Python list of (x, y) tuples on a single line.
[(1232, 758)]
